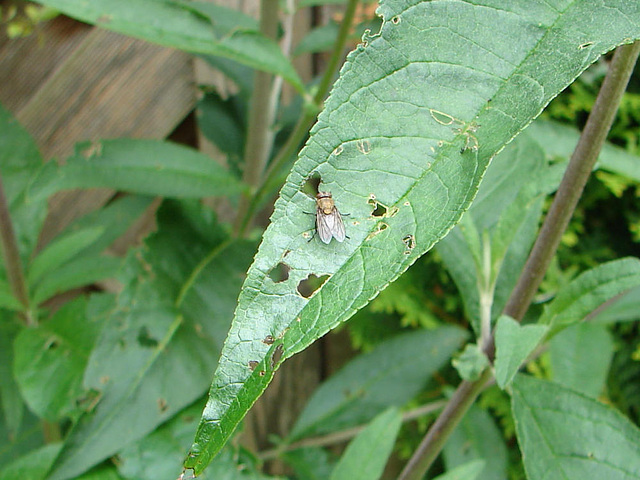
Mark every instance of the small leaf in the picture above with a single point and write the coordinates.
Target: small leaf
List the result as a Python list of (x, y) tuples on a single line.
[(50, 360), (367, 454), (147, 167), (580, 358), (514, 343), (477, 438), (590, 290), (61, 250), (386, 376), (563, 434), (471, 362), (78, 273), (115, 219), (468, 471), (186, 26)]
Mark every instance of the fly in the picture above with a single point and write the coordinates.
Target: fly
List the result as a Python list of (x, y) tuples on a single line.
[(329, 222)]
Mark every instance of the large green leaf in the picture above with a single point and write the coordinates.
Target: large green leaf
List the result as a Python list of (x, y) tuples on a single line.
[(358, 392), (161, 340), (399, 131), (148, 167), (367, 454), (563, 434), (197, 27)]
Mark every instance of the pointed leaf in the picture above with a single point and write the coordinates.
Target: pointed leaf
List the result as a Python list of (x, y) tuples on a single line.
[(514, 343), (563, 434), (402, 145), (147, 167), (367, 454), (196, 27), (590, 290), (61, 250), (580, 357), (75, 274), (386, 376)]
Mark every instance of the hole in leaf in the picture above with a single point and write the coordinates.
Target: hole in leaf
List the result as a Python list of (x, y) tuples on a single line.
[(311, 184), (145, 339), (395, 20), (277, 356), (162, 405), (268, 340), (410, 243), (52, 344), (380, 227), (279, 273), (253, 364), (308, 286), (379, 211)]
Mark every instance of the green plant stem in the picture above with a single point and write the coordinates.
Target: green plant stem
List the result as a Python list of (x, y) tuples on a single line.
[(260, 133), (13, 264), (565, 201), (302, 126)]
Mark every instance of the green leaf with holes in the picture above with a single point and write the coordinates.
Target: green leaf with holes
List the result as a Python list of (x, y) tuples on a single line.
[(410, 127)]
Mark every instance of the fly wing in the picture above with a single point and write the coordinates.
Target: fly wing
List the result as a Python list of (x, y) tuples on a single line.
[(324, 226), (338, 225)]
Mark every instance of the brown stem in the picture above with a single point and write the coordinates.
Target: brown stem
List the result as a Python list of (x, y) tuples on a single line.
[(13, 264), (555, 223)]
